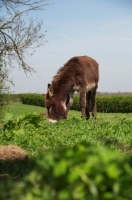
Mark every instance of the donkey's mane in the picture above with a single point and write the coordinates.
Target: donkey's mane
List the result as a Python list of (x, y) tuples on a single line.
[(59, 75), (64, 72)]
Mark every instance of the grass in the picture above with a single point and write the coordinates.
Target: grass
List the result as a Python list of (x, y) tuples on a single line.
[(18, 109), (112, 130), (43, 174)]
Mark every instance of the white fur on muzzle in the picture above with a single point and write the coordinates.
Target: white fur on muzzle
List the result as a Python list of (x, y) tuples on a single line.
[(52, 120)]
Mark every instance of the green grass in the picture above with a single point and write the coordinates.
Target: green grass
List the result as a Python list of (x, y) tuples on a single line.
[(79, 163), (112, 130), (17, 109)]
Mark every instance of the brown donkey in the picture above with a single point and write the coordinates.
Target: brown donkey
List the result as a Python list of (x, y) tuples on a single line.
[(78, 74)]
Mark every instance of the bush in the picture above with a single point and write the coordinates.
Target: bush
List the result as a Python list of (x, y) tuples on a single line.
[(32, 99), (109, 104), (115, 104), (10, 97), (75, 105), (81, 172)]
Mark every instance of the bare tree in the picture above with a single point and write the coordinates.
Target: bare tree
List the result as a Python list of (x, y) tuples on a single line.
[(20, 34)]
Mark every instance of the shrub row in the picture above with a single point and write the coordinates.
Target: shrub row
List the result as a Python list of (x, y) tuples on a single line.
[(115, 104), (81, 172), (32, 99), (109, 104), (10, 97)]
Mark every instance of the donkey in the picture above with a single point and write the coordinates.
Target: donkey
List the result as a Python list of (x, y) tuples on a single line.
[(79, 74)]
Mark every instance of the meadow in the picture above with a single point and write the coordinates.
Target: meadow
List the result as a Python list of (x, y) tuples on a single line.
[(23, 126), (111, 129)]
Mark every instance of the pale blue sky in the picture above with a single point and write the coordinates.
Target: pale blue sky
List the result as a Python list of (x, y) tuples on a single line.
[(101, 29)]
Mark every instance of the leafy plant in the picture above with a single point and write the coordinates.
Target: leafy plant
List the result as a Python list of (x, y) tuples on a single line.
[(81, 172), (14, 124), (71, 159)]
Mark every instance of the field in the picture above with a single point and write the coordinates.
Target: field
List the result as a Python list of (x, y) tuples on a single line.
[(24, 127), (113, 130)]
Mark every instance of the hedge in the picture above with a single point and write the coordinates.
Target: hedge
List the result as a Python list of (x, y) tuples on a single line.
[(32, 99), (107, 104), (115, 104), (80, 172), (10, 97)]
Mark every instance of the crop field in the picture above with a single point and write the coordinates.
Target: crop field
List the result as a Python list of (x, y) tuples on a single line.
[(23, 126)]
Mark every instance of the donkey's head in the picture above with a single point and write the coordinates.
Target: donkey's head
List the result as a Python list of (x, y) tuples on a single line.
[(56, 108)]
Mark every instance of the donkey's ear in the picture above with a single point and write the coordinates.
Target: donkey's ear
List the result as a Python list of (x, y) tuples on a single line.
[(50, 90)]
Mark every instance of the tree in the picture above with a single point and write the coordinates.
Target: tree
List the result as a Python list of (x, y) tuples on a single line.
[(18, 36), (4, 79), (4, 84)]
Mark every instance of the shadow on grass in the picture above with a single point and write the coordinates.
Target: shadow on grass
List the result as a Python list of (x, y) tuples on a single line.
[(11, 173), (126, 148)]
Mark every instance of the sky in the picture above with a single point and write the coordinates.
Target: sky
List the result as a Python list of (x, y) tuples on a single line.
[(100, 29)]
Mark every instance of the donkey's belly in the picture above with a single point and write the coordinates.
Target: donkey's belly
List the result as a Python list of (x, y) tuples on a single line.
[(89, 87)]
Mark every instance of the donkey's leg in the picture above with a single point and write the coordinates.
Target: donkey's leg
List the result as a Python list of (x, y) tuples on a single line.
[(83, 102), (69, 102), (69, 106), (93, 102), (87, 105)]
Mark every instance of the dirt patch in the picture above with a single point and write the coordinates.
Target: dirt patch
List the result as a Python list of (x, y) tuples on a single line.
[(11, 152)]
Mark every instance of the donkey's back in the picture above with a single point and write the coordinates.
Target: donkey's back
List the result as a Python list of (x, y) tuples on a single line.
[(84, 69)]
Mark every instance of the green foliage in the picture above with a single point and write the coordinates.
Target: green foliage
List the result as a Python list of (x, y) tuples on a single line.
[(81, 172), (15, 124), (112, 130), (11, 97), (5, 100), (75, 105), (71, 159), (21, 130), (4, 77), (115, 104), (109, 104), (32, 99)]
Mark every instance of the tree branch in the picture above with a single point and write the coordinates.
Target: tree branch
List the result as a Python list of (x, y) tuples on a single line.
[(19, 38)]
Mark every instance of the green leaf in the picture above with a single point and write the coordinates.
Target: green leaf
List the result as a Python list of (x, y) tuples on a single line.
[(60, 168)]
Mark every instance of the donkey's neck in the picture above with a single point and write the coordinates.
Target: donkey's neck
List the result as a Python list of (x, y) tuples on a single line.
[(61, 92)]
